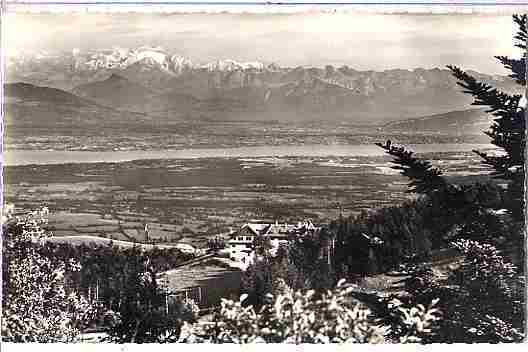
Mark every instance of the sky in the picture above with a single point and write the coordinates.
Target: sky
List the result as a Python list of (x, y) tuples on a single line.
[(362, 41)]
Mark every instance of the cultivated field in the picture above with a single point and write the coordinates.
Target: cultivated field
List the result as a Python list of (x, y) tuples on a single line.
[(191, 200)]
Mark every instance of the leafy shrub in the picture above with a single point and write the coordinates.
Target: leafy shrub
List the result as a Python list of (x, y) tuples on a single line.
[(415, 324), (36, 304), (189, 309), (482, 300), (297, 317)]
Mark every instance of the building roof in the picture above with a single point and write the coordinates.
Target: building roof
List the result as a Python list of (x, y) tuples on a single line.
[(257, 229), (276, 229)]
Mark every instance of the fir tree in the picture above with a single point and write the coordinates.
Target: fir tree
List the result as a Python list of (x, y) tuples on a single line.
[(424, 178), (508, 128), (471, 204)]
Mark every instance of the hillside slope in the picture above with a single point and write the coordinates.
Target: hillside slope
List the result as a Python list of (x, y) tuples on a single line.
[(464, 122), (35, 106)]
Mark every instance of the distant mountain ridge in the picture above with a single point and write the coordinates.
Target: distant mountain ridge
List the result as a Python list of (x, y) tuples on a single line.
[(29, 105), (117, 92), (465, 122), (149, 79), (25, 92), (34, 106)]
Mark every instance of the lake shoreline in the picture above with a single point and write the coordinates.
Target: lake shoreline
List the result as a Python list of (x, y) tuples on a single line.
[(21, 157)]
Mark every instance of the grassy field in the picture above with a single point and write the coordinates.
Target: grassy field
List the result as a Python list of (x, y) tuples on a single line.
[(200, 134), (94, 240), (191, 200)]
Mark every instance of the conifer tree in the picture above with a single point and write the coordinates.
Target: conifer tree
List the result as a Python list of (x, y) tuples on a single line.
[(507, 132), (424, 178), (508, 128)]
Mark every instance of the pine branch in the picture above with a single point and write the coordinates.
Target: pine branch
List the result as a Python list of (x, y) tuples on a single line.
[(500, 163), (424, 178), (508, 128), (499, 103), (518, 67), (522, 33)]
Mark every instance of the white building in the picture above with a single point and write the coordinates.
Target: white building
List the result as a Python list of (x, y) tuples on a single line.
[(241, 244)]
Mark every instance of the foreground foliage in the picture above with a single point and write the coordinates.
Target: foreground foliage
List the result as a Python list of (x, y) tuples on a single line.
[(145, 314), (306, 317), (41, 285), (297, 265), (482, 299), (36, 304)]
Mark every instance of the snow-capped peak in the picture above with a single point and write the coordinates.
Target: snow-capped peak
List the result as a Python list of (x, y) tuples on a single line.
[(149, 56), (253, 65), (232, 65), (122, 57), (152, 54), (180, 64)]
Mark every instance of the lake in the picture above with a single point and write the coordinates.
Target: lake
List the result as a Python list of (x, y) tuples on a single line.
[(45, 157)]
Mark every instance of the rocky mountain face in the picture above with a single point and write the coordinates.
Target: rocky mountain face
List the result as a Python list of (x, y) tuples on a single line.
[(152, 81)]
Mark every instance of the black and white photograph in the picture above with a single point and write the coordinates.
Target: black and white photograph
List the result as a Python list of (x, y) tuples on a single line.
[(315, 176)]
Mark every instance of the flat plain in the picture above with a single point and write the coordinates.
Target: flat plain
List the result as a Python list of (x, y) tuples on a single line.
[(192, 199)]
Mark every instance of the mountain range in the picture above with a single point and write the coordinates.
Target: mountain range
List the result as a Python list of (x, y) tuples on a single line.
[(166, 86)]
